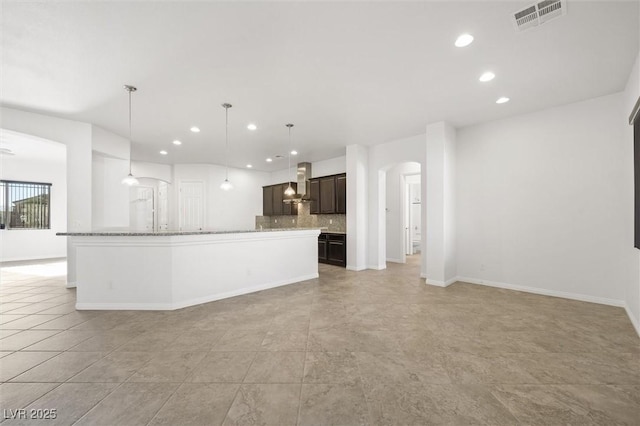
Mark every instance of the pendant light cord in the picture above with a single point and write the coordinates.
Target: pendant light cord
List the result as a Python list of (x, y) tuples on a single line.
[(289, 155), (130, 141), (226, 137)]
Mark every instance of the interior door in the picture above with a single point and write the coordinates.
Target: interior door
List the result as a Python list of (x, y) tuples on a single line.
[(191, 206)]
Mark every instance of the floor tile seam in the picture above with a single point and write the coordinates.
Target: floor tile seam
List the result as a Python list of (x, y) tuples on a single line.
[(62, 315), (53, 357), (33, 326), (44, 394), (56, 304), (304, 365), (166, 401), (119, 385), (104, 355), (26, 349), (23, 349), (30, 368), (38, 301), (362, 389), (239, 387), (189, 376)]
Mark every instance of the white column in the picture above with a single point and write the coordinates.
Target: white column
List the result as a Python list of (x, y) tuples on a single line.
[(357, 203), (440, 212)]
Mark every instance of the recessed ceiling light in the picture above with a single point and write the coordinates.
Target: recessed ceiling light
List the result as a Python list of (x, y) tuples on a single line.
[(163, 152), (464, 40), (195, 129), (269, 160), (294, 152), (502, 100), (252, 126), (177, 142), (487, 76), (249, 166)]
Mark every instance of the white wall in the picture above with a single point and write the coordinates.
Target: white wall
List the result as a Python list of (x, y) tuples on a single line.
[(152, 170), (395, 208), (77, 138), (108, 143), (110, 198), (544, 202), (631, 95), (381, 158), (224, 210), (28, 244), (332, 166)]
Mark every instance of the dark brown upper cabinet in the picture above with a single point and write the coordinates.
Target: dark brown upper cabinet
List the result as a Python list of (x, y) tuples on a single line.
[(314, 193), (278, 197), (273, 200), (341, 194), (328, 194), (267, 200)]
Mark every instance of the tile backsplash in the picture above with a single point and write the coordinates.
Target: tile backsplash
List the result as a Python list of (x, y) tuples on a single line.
[(333, 222)]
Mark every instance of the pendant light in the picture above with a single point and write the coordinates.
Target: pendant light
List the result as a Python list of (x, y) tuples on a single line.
[(289, 192), (226, 185), (130, 179)]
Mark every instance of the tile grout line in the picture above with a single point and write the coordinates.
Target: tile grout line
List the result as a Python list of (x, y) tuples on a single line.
[(241, 383), (304, 364), (177, 387), (98, 402)]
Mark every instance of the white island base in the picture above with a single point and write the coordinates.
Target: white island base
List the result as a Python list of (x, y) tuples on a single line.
[(166, 271)]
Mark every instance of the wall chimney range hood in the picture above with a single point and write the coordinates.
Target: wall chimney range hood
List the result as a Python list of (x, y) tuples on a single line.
[(302, 193)]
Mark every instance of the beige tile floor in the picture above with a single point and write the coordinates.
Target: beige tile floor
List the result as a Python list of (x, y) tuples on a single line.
[(374, 347)]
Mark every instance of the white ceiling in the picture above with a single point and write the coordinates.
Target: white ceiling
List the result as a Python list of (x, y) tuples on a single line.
[(343, 73), (30, 148)]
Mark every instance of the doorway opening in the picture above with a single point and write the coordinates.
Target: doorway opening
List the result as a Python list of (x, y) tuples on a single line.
[(403, 213)]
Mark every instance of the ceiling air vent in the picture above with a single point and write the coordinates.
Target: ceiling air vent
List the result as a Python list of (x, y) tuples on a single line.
[(538, 13)]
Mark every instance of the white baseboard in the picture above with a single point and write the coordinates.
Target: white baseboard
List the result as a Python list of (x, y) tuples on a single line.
[(634, 321), (190, 302), (545, 292), (71, 284), (439, 283), (377, 267), (355, 268)]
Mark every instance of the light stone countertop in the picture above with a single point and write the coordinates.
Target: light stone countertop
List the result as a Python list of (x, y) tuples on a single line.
[(173, 233)]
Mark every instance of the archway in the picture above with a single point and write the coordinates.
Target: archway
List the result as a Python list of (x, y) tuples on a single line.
[(394, 216)]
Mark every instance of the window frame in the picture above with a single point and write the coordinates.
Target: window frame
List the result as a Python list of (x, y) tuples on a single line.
[(5, 220)]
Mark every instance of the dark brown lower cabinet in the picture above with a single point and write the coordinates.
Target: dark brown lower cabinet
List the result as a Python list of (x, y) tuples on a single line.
[(322, 248), (332, 249)]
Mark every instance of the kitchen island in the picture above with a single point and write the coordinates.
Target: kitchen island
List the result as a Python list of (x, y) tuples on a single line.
[(172, 270)]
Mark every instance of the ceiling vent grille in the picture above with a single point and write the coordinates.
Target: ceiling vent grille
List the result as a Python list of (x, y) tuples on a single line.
[(538, 14)]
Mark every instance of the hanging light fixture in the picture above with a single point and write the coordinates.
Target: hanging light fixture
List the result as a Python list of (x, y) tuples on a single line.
[(226, 185), (130, 179), (289, 192)]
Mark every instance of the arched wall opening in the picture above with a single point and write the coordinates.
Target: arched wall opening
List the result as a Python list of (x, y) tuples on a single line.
[(382, 159)]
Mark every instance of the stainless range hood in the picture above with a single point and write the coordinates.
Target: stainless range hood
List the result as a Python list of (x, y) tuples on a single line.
[(302, 194)]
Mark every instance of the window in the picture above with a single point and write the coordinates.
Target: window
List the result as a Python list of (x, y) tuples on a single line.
[(25, 205)]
